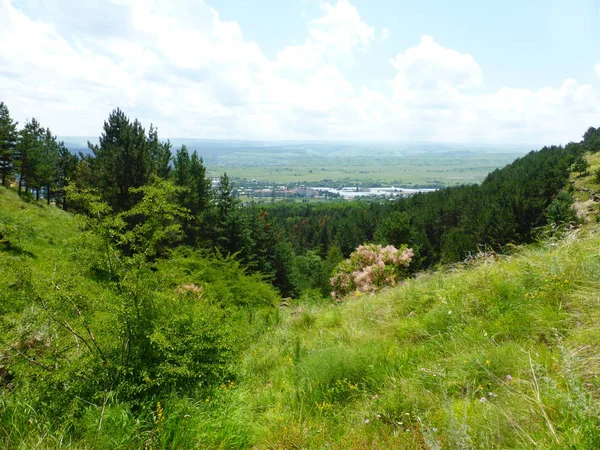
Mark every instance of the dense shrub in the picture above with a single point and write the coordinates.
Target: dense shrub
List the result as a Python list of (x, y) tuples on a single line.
[(369, 268)]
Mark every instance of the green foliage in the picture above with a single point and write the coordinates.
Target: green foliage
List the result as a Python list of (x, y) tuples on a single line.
[(591, 139), (580, 165), (309, 272), (190, 174), (8, 142), (560, 212), (394, 230), (597, 176), (14, 231), (123, 160), (219, 280), (155, 221), (91, 336), (160, 153)]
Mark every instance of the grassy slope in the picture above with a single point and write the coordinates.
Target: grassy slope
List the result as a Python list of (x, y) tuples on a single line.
[(502, 353), (499, 355), (40, 237)]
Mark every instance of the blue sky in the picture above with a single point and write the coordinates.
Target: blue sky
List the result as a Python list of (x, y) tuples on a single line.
[(531, 43), (462, 71)]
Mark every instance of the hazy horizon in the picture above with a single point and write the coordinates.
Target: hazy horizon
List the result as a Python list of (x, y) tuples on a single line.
[(318, 70)]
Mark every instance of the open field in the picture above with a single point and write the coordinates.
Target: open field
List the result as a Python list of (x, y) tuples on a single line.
[(346, 163), (367, 164), (422, 170)]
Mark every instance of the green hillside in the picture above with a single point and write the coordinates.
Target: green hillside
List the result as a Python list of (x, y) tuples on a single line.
[(500, 352)]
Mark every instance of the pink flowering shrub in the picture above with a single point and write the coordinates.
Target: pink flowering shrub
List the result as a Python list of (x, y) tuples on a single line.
[(369, 268)]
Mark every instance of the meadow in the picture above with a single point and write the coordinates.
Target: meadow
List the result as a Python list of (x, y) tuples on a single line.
[(423, 170), (369, 164), (497, 352)]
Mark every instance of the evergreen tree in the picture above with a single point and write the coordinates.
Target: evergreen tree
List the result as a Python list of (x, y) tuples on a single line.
[(199, 186), (232, 233), (8, 142), (67, 168), (190, 174), (591, 140), (581, 165), (182, 163), (29, 153), (83, 177), (47, 171), (122, 161), (160, 153), (224, 199)]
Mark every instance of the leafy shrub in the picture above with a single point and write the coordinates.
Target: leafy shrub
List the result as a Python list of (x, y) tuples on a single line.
[(560, 211), (369, 268)]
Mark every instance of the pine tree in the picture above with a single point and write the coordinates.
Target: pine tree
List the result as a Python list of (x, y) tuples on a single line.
[(8, 142), (67, 167), (199, 186), (122, 161), (48, 166), (29, 154), (160, 153), (181, 163), (581, 165), (232, 230)]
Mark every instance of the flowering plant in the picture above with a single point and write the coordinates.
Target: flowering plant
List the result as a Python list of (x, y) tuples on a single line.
[(369, 268)]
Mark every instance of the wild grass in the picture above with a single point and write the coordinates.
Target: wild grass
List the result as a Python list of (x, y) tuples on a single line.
[(500, 353)]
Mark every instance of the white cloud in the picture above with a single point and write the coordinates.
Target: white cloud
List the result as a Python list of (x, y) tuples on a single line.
[(439, 91), (179, 65), (332, 38), (341, 27), (597, 68), (431, 66), (385, 34)]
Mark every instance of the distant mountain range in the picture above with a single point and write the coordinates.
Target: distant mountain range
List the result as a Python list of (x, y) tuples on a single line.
[(216, 150)]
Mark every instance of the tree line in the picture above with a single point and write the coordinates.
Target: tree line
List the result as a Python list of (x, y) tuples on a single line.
[(294, 246), (450, 224), (120, 169)]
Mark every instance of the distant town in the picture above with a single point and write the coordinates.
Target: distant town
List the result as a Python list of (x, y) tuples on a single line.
[(255, 189)]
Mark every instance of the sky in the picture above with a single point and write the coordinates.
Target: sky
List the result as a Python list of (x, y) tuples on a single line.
[(510, 72)]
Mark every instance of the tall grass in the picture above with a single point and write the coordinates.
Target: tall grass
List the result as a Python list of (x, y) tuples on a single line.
[(493, 355), (499, 353)]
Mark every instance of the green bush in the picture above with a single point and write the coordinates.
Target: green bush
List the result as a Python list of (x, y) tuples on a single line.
[(560, 212)]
